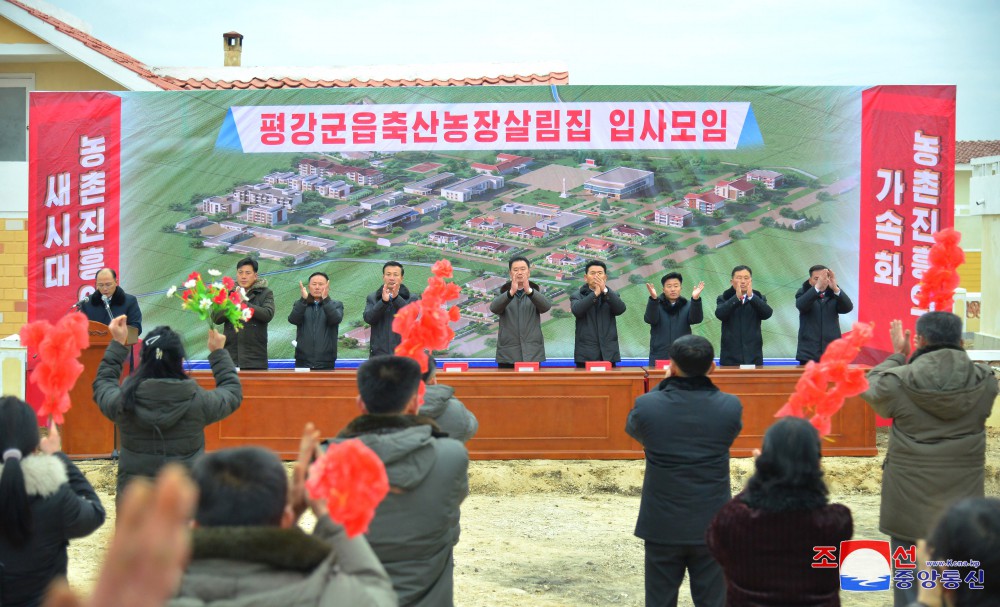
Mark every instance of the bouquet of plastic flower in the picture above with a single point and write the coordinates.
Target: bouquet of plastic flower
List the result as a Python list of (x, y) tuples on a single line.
[(219, 296)]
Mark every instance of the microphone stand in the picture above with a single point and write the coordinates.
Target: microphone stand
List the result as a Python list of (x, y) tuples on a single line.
[(107, 306)]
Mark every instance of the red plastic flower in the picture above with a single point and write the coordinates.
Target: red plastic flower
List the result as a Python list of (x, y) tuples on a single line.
[(352, 480), (228, 283), (823, 386), (194, 276), (58, 348), (939, 281)]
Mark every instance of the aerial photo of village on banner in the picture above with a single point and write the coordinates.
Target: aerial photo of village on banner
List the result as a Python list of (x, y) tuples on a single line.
[(646, 178)]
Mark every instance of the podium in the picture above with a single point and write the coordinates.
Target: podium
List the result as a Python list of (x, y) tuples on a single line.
[(86, 433)]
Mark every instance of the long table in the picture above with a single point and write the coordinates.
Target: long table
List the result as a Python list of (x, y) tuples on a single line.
[(554, 413)]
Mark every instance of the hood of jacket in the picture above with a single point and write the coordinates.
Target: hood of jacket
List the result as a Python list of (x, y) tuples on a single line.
[(942, 381), (286, 549), (43, 474), (436, 399), (404, 443), (117, 298), (505, 288), (163, 402), (671, 309), (260, 283), (403, 292)]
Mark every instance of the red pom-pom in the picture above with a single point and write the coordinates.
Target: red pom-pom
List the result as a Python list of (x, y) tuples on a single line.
[(352, 480), (58, 348)]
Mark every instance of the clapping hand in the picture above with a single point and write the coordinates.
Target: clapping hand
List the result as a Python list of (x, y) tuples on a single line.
[(832, 280), (900, 338), (298, 497), (304, 290), (697, 290), (823, 282), (652, 291), (51, 443)]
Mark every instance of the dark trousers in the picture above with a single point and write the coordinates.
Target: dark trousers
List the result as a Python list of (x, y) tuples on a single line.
[(665, 567), (505, 365), (903, 597), (584, 365)]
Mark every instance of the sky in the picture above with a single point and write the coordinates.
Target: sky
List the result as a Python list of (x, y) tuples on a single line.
[(663, 42)]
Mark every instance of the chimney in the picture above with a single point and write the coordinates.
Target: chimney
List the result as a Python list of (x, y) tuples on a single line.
[(232, 46)]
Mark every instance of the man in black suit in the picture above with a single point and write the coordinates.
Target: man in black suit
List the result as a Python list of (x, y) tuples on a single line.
[(110, 295), (686, 426)]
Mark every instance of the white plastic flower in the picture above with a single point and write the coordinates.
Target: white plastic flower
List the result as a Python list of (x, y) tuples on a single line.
[(215, 273), (205, 303), (171, 291), (247, 313), (190, 284), (217, 285)]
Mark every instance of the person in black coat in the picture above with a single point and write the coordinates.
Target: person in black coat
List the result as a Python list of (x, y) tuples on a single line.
[(44, 502), (248, 346), (669, 315), (820, 302), (595, 307), (381, 308), (686, 426), (317, 321), (741, 310), (120, 302)]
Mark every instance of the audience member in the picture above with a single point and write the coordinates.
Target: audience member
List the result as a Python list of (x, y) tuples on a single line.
[(764, 537), (44, 502), (161, 413), (448, 412)]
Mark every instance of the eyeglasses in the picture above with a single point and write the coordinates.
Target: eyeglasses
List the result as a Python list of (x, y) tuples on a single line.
[(105, 285)]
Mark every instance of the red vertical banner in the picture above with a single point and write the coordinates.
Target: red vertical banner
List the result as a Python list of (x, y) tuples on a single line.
[(74, 196), (907, 194)]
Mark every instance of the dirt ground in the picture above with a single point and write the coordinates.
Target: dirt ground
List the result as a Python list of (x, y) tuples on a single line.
[(559, 533)]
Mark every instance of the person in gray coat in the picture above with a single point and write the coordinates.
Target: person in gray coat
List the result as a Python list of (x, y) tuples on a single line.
[(416, 526), (595, 307), (669, 315), (939, 402), (248, 346), (448, 412), (520, 305), (381, 308), (161, 413), (317, 320), (247, 548)]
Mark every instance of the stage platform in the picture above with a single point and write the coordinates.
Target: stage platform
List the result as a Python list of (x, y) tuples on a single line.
[(554, 413)]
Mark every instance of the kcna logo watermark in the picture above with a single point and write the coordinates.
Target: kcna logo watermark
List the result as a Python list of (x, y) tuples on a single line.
[(867, 566)]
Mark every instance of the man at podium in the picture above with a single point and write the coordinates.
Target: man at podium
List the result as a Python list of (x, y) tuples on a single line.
[(110, 301)]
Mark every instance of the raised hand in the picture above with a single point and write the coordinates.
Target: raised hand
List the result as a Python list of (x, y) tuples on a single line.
[(305, 292), (900, 338), (739, 291), (216, 340), (652, 291), (697, 290), (326, 291), (119, 330), (832, 280), (51, 443), (298, 498)]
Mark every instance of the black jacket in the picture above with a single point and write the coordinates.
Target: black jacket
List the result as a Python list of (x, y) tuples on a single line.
[(248, 346), (317, 323), (742, 342), (596, 328), (63, 506), (668, 322), (168, 423), (686, 426), (380, 314), (819, 321), (121, 303)]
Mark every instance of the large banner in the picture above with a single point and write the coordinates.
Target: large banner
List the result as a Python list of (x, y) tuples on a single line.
[(648, 179)]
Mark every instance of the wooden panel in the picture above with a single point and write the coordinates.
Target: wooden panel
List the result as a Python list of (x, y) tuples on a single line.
[(86, 433), (551, 414)]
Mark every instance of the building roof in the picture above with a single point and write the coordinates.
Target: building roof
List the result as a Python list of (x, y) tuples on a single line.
[(740, 184), (965, 151), (622, 176), (679, 211), (136, 75), (596, 243), (627, 229), (705, 196), (764, 174)]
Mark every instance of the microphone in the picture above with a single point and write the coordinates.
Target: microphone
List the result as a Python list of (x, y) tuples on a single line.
[(107, 306), (79, 304)]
